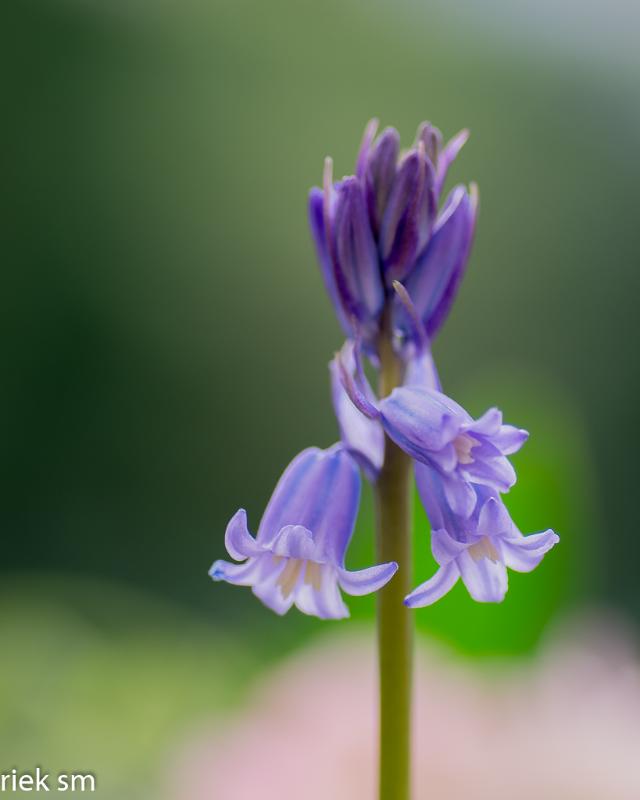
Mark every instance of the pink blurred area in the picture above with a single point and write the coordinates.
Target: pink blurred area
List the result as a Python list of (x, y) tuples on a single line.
[(565, 726)]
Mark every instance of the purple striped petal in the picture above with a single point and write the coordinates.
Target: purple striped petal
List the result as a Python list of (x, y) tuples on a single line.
[(239, 542), (431, 138), (509, 439), (421, 421), (380, 174), (324, 602), (494, 519), (365, 581), (319, 234), (434, 280), (486, 580), (357, 265), (435, 588), (524, 553), (295, 541), (440, 311), (444, 548), (362, 436)]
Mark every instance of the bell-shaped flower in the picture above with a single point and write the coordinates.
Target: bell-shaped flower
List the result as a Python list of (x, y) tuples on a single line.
[(297, 556), (435, 430), (477, 549)]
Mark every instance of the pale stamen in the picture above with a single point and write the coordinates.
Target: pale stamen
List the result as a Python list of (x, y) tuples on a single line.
[(463, 445), (484, 549), (313, 575), (289, 576)]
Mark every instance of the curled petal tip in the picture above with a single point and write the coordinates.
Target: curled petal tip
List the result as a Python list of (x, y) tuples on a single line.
[(356, 396)]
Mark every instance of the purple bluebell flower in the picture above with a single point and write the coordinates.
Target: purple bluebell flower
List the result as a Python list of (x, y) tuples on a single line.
[(435, 430), (382, 224), (297, 557), (477, 549)]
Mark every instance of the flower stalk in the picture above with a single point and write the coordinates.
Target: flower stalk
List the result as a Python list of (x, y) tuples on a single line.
[(394, 619)]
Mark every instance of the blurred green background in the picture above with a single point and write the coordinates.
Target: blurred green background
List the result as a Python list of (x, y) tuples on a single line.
[(165, 333)]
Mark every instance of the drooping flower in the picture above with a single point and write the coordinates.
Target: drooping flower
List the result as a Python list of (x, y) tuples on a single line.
[(382, 224), (363, 437), (435, 430), (477, 549), (297, 557)]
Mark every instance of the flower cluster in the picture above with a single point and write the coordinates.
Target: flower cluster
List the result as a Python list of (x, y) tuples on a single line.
[(392, 255)]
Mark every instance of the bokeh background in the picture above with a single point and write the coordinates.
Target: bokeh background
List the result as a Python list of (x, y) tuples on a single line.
[(165, 333)]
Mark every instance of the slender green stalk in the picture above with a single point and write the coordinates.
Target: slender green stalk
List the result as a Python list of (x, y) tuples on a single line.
[(395, 622)]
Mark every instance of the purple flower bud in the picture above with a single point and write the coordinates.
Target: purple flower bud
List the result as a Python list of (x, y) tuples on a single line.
[(431, 138), (381, 170), (382, 225), (347, 253), (478, 548), (355, 254), (409, 215), (316, 222), (298, 554), (434, 281)]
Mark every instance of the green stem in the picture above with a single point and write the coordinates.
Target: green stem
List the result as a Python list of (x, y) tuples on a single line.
[(395, 622)]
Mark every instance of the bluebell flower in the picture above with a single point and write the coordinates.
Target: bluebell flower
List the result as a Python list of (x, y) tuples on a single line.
[(435, 430), (297, 556), (478, 548), (383, 224)]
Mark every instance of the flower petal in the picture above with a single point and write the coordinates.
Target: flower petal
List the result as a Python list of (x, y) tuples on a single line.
[(488, 424), (334, 506), (380, 174), (294, 541), (524, 553), (433, 281), (246, 574), (319, 234), (436, 587), (290, 498), (239, 542), (496, 472), (494, 519), (365, 581), (460, 495), (421, 421), (362, 436), (485, 580), (365, 147), (270, 592), (421, 371), (356, 252), (444, 548), (324, 602), (509, 439)]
